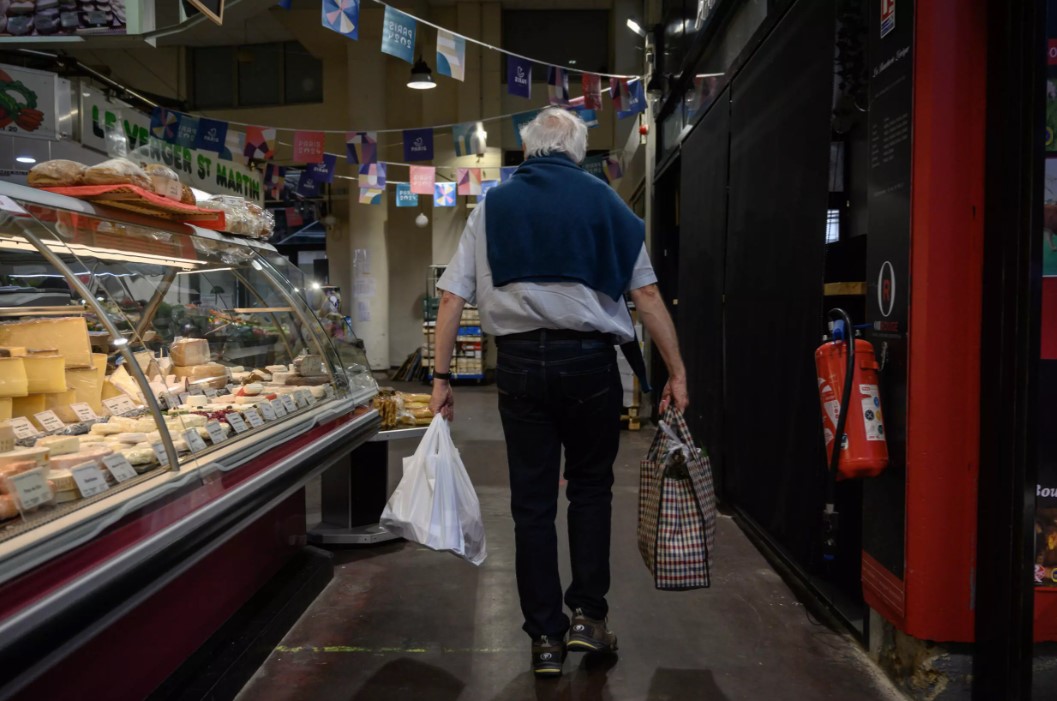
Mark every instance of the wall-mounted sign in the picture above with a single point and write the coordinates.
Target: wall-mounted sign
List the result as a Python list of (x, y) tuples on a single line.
[(34, 104)]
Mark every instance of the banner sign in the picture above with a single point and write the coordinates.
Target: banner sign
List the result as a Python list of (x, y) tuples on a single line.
[(398, 35), (404, 196), (422, 179), (35, 104), (519, 76), (418, 144), (451, 55), (200, 169)]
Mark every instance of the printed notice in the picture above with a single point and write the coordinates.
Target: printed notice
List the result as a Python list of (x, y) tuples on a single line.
[(119, 406), (49, 420), (194, 441), (216, 432), (31, 488), (23, 428), (289, 402), (237, 423), (329, 389), (84, 412), (267, 411), (302, 396), (254, 418), (119, 467), (279, 408), (159, 452), (89, 478)]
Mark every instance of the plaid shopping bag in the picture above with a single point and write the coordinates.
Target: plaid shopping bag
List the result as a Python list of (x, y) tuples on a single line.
[(677, 508)]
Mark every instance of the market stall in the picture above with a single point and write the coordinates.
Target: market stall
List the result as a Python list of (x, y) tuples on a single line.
[(165, 393)]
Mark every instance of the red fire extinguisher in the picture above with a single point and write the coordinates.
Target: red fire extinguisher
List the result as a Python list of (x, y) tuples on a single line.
[(853, 418)]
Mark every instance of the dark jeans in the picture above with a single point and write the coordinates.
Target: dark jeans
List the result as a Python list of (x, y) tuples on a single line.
[(552, 395)]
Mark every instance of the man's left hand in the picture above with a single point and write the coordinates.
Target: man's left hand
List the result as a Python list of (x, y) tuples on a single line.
[(442, 402)]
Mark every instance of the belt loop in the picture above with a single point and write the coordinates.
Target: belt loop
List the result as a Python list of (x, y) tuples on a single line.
[(543, 338)]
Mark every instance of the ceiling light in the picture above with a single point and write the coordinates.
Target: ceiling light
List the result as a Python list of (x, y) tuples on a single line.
[(422, 221), (634, 26), (421, 76), (26, 159)]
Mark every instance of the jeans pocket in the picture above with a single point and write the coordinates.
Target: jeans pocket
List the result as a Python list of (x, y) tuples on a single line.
[(587, 386), (512, 383)]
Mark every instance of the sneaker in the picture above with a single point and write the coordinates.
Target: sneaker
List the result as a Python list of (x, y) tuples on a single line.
[(548, 654), (590, 635)]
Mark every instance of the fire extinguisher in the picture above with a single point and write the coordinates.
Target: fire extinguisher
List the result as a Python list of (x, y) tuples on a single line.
[(853, 424)]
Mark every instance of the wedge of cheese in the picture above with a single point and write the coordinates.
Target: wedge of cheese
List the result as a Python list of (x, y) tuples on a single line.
[(5, 408), (189, 351), (60, 403), (68, 335), (200, 372), (45, 373), (13, 380), (27, 406)]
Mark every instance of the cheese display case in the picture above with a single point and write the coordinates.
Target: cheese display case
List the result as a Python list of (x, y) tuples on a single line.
[(156, 380)]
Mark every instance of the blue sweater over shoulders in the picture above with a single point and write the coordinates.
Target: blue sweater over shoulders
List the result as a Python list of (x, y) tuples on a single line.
[(554, 222)]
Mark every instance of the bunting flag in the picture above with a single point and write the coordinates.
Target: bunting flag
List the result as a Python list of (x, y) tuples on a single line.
[(505, 172), (187, 131), (451, 55), (260, 144), (423, 179), (469, 181), (519, 121), (164, 124), (343, 17), (212, 133), (404, 196), (371, 195), (590, 117), (294, 217), (592, 85), (234, 143), (614, 168), (308, 187), (323, 171), (557, 86), (469, 138), (634, 100), (486, 185), (285, 4), (398, 35), (418, 144), (618, 90), (372, 175), (361, 147), (274, 179), (444, 195), (308, 146), (519, 77)]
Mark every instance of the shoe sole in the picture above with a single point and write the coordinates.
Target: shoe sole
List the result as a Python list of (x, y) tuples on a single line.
[(581, 645), (547, 671)]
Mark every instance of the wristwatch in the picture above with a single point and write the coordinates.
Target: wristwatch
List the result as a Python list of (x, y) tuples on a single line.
[(442, 376)]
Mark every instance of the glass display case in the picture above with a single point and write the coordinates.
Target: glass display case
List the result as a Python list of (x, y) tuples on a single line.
[(139, 357)]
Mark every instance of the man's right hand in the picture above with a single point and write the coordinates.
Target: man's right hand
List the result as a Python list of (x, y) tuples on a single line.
[(675, 392), (442, 402)]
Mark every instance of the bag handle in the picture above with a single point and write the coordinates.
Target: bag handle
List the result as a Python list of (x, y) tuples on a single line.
[(679, 431)]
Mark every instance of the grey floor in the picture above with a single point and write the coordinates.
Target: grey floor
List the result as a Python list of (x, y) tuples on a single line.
[(402, 622)]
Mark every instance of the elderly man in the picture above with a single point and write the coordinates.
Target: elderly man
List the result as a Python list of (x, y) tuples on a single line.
[(548, 257)]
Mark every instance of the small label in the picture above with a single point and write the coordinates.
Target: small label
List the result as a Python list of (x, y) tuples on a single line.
[(167, 187), (211, 393), (267, 411), (49, 420), (329, 389), (119, 467), (216, 432), (237, 423), (23, 428), (194, 441), (310, 397), (195, 390), (119, 406), (254, 418), (159, 452), (279, 407), (303, 397), (84, 412), (31, 488), (183, 397), (89, 478), (289, 402)]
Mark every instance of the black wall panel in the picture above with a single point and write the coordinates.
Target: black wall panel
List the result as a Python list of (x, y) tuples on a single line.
[(702, 259), (779, 161)]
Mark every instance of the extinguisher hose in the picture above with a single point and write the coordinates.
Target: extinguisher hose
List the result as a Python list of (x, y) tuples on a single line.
[(830, 518)]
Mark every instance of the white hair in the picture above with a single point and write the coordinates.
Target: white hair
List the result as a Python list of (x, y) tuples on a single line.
[(555, 130)]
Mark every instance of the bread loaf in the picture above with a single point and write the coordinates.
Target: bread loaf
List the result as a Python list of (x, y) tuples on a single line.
[(57, 173), (117, 171), (164, 181)]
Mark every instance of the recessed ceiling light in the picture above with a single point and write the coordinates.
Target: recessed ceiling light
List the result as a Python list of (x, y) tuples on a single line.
[(26, 159)]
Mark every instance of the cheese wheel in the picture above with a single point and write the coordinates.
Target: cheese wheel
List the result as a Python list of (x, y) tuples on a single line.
[(68, 335), (67, 495), (90, 453), (130, 438), (36, 454), (280, 377), (197, 400), (253, 388), (139, 456), (62, 480), (59, 445), (276, 368)]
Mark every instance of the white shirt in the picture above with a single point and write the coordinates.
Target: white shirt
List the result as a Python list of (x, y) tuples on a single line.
[(527, 306)]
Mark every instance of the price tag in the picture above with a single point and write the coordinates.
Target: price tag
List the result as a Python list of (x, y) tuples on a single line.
[(237, 423), (194, 441), (89, 478), (254, 418), (84, 411), (211, 393), (119, 467), (310, 397), (289, 402), (49, 420), (267, 411), (216, 433), (279, 408), (31, 488), (195, 389), (23, 428), (119, 405), (329, 389), (159, 452), (301, 397)]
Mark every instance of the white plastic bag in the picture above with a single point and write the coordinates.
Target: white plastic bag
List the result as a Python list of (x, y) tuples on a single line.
[(435, 503)]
